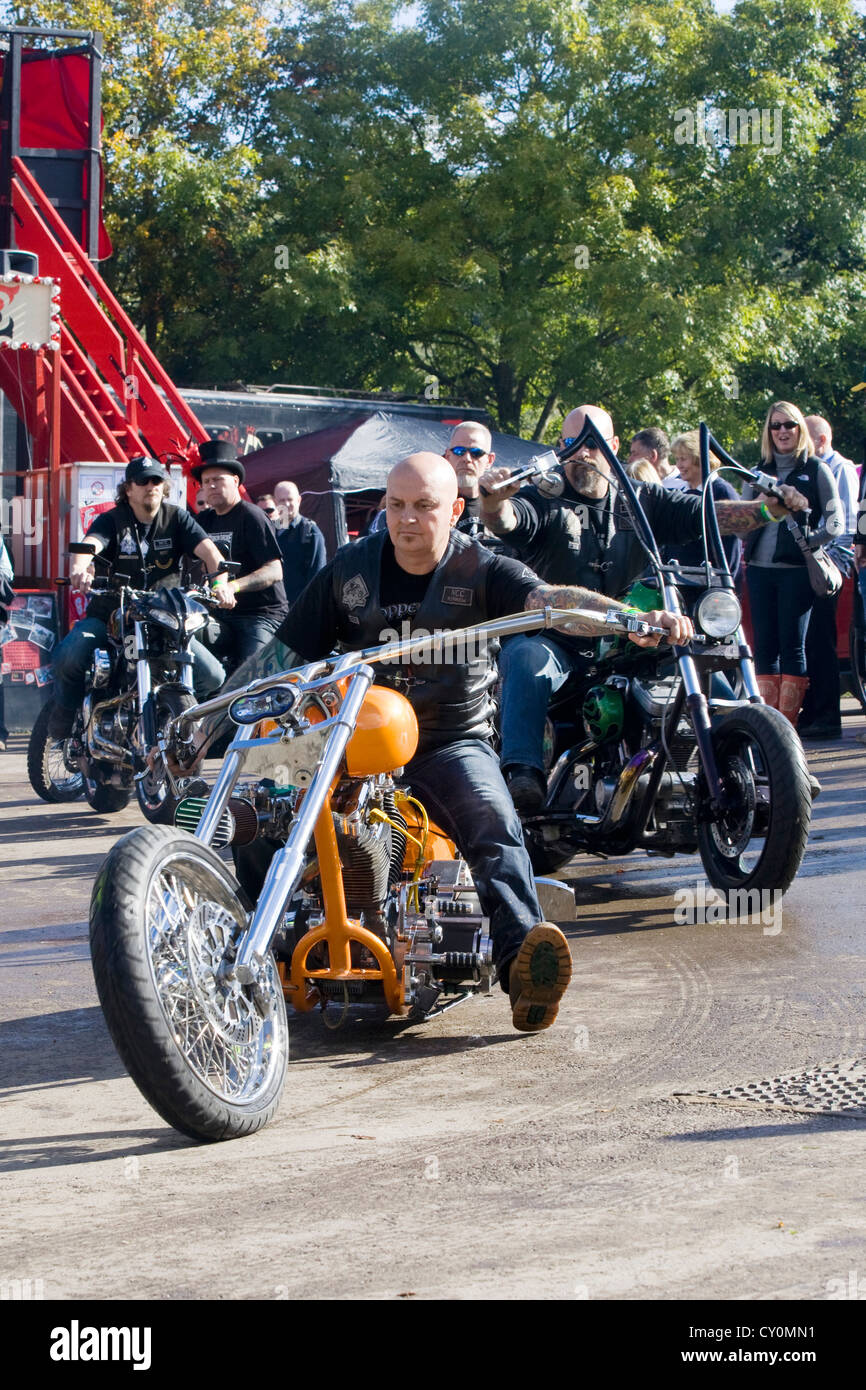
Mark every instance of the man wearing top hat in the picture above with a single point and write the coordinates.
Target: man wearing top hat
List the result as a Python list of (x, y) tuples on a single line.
[(144, 537), (256, 601)]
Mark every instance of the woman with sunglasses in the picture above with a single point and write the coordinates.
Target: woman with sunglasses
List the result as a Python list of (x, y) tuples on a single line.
[(780, 594)]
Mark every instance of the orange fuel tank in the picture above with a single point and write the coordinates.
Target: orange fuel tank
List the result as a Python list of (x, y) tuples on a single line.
[(386, 735)]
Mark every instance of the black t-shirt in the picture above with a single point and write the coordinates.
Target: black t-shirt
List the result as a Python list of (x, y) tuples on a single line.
[(143, 554), (401, 593), (246, 536), (311, 626)]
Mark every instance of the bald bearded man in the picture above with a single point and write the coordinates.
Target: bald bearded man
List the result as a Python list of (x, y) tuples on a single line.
[(580, 537), (418, 577)]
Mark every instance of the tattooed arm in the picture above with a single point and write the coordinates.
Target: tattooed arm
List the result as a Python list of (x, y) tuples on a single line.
[(262, 578), (558, 596), (738, 518)]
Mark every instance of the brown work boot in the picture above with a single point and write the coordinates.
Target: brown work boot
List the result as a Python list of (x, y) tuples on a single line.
[(539, 977)]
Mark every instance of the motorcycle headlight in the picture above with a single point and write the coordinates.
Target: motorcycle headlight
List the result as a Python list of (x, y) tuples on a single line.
[(194, 622), (718, 613), (159, 615), (269, 704)]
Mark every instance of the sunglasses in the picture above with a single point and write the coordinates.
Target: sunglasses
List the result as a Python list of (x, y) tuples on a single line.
[(783, 425), (566, 441), (458, 450)]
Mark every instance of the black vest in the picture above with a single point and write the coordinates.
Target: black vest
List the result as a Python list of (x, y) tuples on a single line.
[(451, 698), (131, 565), (804, 477), (575, 545)]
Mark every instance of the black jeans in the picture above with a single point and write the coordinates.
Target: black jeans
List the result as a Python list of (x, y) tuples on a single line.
[(781, 601), (463, 790), (243, 634), (822, 702)]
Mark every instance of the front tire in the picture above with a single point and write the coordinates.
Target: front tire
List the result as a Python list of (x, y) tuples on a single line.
[(209, 1058), (759, 841), (52, 777), (152, 790)]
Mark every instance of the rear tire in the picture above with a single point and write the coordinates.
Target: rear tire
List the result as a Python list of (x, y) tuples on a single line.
[(762, 765), (105, 798), (546, 859), (209, 1058), (51, 776)]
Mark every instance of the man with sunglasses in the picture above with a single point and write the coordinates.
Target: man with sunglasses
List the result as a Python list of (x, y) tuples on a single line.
[(580, 538), (470, 453)]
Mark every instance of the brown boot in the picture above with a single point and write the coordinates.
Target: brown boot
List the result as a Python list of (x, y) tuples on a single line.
[(769, 690), (792, 693), (539, 977)]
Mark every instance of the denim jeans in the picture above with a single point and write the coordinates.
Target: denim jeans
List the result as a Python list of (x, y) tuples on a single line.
[(532, 669), (781, 601), (243, 634), (462, 789), (75, 653)]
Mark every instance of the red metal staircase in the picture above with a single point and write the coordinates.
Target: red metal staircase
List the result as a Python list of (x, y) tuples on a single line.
[(113, 398)]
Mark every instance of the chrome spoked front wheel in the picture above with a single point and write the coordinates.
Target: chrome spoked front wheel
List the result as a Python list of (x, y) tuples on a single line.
[(208, 1053), (217, 1026)]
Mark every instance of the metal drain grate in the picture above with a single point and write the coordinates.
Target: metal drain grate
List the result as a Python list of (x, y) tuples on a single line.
[(836, 1089)]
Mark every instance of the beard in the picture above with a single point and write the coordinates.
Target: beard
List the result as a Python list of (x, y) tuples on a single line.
[(586, 477)]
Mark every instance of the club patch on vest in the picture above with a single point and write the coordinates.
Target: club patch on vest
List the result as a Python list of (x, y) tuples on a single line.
[(452, 594), (127, 543), (355, 592)]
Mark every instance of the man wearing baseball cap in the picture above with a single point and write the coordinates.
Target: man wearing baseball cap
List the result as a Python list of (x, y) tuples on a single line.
[(256, 602), (144, 537)]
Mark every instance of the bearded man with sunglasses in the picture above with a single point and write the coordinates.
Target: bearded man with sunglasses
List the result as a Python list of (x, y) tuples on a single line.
[(581, 538)]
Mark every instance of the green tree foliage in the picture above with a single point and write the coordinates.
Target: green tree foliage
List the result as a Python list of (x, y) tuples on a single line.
[(182, 84), (524, 204), (506, 197)]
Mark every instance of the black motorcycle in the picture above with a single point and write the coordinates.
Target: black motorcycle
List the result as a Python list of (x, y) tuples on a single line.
[(134, 687), (672, 750)]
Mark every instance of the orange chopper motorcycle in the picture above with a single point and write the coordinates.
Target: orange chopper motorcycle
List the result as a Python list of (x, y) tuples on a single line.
[(365, 902)]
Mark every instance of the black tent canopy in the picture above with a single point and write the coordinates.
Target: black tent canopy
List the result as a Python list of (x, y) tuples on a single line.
[(341, 470)]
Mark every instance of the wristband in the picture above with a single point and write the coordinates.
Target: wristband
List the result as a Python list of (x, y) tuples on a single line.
[(767, 514)]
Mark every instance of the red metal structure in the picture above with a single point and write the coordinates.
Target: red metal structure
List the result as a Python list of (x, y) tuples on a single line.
[(103, 397)]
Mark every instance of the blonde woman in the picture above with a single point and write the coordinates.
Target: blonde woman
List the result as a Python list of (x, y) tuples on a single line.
[(642, 471), (686, 454), (780, 594)]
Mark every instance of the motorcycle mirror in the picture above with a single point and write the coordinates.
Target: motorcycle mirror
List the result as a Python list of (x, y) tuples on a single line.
[(81, 548), (551, 484), (267, 704)]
